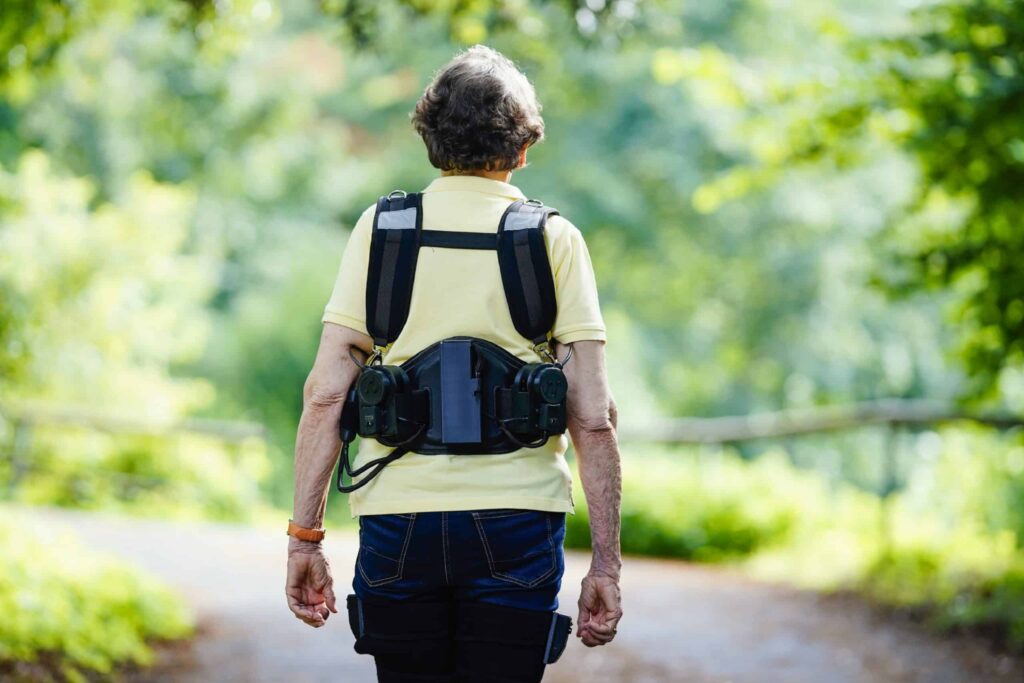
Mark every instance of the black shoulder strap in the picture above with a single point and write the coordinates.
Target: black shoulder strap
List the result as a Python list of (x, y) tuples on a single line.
[(394, 248), (525, 269), (522, 257)]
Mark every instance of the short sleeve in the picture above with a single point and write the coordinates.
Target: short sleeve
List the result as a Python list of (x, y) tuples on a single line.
[(347, 305), (579, 312)]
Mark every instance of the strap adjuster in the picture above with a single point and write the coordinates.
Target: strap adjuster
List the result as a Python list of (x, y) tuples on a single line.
[(544, 350)]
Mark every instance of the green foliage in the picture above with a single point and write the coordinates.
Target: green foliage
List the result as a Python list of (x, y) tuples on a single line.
[(101, 301), (77, 611), (277, 130), (993, 606), (713, 508), (947, 546), (183, 476), (176, 178), (473, 22), (941, 86), (971, 583), (959, 78)]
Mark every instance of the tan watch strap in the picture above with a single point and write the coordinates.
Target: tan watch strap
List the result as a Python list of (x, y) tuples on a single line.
[(304, 534)]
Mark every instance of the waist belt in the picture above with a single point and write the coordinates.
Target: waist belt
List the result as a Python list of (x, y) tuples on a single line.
[(459, 396)]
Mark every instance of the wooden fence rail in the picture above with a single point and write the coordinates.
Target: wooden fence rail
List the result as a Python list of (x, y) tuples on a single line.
[(24, 419), (227, 430), (801, 421)]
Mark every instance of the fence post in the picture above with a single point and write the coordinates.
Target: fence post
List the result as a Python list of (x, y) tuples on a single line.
[(890, 482), (21, 443)]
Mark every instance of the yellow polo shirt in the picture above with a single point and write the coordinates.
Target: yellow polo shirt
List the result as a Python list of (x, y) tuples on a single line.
[(458, 292)]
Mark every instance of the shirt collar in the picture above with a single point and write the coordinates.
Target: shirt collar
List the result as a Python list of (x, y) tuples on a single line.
[(472, 183)]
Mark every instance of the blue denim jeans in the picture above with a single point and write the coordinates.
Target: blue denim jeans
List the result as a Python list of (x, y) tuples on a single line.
[(511, 558)]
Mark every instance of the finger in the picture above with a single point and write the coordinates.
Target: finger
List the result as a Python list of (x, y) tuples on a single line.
[(613, 620), (311, 617), (601, 638), (332, 602), (296, 605), (585, 612), (600, 628), (307, 616), (318, 609), (592, 638), (315, 623)]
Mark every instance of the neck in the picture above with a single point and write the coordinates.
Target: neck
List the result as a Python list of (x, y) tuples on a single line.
[(501, 176)]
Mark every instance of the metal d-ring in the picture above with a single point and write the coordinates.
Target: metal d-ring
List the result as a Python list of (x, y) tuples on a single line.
[(397, 193)]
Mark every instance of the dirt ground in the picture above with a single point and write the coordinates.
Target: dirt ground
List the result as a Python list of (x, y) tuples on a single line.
[(682, 623)]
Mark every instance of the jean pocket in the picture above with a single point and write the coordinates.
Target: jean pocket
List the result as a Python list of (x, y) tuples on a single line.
[(383, 543), (519, 545)]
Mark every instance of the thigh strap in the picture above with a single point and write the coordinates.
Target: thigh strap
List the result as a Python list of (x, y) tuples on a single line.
[(394, 627), (480, 622)]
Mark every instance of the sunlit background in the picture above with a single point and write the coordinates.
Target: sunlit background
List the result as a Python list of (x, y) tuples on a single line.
[(806, 212)]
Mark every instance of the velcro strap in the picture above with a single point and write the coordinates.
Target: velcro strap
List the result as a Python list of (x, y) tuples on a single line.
[(450, 239)]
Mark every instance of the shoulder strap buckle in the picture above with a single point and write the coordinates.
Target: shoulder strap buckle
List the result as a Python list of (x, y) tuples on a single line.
[(398, 194), (544, 350)]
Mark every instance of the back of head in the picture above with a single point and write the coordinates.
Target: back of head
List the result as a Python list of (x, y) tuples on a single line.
[(478, 113)]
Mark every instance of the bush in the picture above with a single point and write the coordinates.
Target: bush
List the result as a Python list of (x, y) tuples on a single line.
[(678, 505), (184, 475), (986, 598), (74, 611), (948, 549)]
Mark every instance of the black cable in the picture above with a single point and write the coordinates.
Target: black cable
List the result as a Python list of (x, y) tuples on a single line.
[(398, 446), (512, 437), (568, 356), (522, 444), (380, 463), (359, 363), (345, 466)]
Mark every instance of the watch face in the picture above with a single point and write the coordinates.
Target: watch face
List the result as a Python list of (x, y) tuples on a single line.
[(371, 387), (551, 385)]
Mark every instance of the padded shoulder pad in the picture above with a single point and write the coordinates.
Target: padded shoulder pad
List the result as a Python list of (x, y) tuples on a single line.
[(394, 247), (525, 269)]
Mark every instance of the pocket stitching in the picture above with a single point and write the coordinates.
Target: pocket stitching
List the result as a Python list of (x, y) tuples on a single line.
[(502, 576), (400, 569)]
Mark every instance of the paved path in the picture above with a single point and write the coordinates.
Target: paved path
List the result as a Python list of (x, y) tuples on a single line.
[(683, 623)]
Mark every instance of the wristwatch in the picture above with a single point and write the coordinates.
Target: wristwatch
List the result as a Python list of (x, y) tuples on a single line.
[(304, 534)]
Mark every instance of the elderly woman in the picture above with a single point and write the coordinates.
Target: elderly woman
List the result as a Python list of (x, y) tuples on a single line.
[(462, 340)]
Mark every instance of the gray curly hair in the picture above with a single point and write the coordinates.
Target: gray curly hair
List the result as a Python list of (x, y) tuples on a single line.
[(478, 113)]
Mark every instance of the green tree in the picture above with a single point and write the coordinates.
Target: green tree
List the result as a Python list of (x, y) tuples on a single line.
[(945, 86)]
